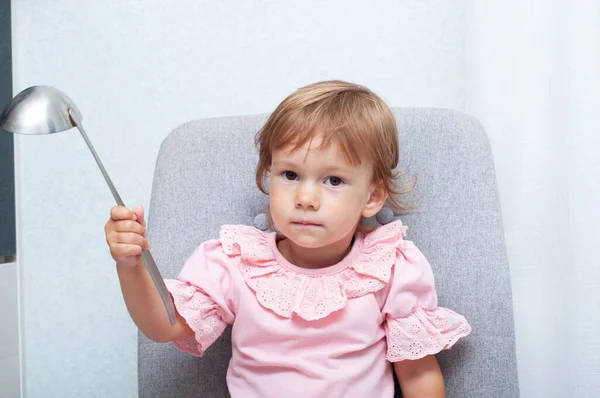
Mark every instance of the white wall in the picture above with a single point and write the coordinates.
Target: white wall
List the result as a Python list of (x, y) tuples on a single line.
[(9, 332), (533, 82), (137, 69)]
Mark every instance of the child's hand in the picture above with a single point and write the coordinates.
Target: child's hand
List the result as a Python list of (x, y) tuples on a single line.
[(126, 235)]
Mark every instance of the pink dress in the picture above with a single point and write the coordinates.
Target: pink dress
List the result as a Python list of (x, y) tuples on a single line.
[(329, 332)]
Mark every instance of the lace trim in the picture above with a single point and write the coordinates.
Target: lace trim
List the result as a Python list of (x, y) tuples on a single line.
[(200, 313), (312, 297), (424, 332)]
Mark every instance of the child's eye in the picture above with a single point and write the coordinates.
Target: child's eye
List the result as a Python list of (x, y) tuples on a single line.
[(290, 175), (334, 181)]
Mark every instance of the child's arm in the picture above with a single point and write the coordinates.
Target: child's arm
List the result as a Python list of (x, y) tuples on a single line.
[(146, 307), (420, 378), (126, 237)]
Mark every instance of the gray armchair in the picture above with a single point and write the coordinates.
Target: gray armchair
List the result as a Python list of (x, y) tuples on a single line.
[(457, 225)]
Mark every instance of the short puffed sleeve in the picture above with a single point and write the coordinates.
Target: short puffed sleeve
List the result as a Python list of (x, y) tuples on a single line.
[(415, 325), (204, 295)]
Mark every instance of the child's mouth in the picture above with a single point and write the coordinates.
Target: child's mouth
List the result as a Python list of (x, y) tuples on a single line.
[(306, 223)]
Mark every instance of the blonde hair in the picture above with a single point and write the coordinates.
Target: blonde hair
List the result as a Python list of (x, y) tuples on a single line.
[(346, 114)]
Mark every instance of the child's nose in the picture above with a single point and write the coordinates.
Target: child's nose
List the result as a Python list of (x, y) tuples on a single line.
[(307, 196)]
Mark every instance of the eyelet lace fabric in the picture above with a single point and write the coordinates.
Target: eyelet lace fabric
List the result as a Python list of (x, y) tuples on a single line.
[(424, 332), (200, 313), (312, 297)]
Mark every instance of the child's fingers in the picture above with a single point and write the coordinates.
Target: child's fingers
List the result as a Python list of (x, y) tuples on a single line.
[(130, 238), (129, 226), (123, 250), (139, 215), (121, 213)]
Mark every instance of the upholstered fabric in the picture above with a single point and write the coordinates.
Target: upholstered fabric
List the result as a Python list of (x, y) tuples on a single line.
[(204, 178)]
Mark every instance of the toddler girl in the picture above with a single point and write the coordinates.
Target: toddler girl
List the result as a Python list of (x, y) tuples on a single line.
[(323, 304)]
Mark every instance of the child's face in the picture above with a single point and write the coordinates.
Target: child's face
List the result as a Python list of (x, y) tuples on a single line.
[(317, 198)]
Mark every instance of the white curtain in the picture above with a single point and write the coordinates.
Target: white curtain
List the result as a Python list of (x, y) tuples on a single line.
[(532, 80)]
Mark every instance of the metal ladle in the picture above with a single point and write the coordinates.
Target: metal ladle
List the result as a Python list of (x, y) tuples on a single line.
[(46, 110)]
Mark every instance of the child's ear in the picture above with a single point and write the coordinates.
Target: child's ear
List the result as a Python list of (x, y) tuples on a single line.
[(376, 200)]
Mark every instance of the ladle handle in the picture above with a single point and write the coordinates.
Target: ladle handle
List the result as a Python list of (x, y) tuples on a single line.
[(111, 186), (146, 256)]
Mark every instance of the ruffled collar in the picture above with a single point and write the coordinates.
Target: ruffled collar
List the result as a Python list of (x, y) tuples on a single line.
[(312, 294)]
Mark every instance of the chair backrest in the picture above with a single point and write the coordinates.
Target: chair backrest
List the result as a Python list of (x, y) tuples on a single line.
[(204, 178)]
